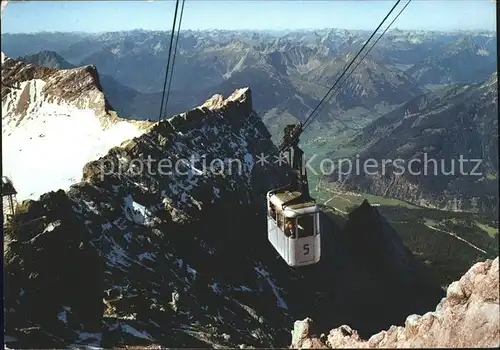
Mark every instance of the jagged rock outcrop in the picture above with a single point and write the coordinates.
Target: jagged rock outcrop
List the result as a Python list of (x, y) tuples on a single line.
[(54, 277), (439, 150), (369, 280), (180, 257), (469, 316), (79, 86), (165, 244), (57, 117), (136, 256), (126, 101)]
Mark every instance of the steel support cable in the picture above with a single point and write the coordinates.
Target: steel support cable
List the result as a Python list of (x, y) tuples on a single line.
[(175, 54), (168, 62), (351, 63), (368, 51), (311, 115)]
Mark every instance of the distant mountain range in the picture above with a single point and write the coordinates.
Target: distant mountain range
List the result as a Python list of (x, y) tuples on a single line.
[(441, 126), (290, 72), (102, 252), (114, 257), (50, 59), (461, 61)]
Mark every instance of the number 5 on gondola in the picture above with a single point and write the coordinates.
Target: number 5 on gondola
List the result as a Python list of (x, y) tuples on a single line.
[(306, 249)]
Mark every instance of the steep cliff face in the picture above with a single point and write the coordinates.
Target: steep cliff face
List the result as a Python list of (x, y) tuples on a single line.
[(132, 256), (469, 316), (368, 278), (79, 86), (439, 150), (163, 242), (460, 61), (53, 122)]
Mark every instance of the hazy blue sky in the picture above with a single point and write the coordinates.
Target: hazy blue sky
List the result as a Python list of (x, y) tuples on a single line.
[(97, 16)]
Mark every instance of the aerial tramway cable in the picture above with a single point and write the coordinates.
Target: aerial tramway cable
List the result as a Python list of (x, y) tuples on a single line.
[(311, 115), (175, 54), (368, 51), (381, 35), (306, 246), (350, 64), (169, 56)]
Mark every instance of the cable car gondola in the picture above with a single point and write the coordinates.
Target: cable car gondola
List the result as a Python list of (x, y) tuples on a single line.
[(293, 223), (293, 217)]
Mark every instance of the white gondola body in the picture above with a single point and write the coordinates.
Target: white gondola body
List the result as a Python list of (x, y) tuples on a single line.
[(303, 248)]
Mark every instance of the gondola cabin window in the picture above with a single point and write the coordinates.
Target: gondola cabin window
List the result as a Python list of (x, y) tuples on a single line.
[(279, 220), (272, 211), (290, 228), (305, 225)]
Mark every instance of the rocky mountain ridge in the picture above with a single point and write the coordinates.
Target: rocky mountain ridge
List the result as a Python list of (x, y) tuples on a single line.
[(134, 256), (127, 102), (37, 103), (462, 61), (122, 230), (61, 85), (49, 59), (289, 71), (436, 129), (467, 317)]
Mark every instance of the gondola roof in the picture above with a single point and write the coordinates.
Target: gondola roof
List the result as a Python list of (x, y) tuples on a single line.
[(292, 196), (7, 187)]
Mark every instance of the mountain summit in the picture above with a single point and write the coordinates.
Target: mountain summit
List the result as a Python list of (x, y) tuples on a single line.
[(49, 59), (60, 114), (437, 130), (177, 255)]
